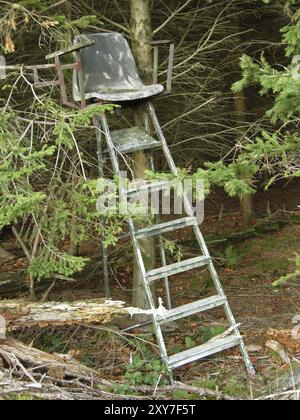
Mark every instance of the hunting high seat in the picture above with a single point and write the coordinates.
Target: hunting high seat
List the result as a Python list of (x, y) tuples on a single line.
[(105, 71)]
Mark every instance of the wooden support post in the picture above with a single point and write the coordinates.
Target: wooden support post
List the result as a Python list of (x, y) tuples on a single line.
[(155, 65), (170, 67), (80, 80), (61, 78)]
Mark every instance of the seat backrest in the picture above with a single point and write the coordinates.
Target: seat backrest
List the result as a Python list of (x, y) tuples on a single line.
[(108, 66)]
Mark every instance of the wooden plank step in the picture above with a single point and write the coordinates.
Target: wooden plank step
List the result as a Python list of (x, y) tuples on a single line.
[(205, 350), (192, 309), (130, 140), (136, 190), (177, 268), (165, 227)]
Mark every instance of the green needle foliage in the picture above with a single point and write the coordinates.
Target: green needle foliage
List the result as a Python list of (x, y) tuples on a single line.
[(48, 179), (45, 192), (278, 151), (17, 168), (275, 152)]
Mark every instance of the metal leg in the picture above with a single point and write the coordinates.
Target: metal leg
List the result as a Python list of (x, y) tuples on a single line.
[(101, 174), (105, 269), (171, 377), (166, 279)]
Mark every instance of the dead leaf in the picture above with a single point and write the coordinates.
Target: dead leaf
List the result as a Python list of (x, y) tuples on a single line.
[(56, 372), (9, 45), (278, 349)]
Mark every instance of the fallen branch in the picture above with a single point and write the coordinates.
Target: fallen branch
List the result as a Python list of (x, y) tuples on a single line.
[(279, 350), (49, 391), (26, 370), (50, 376), (282, 396), (19, 314), (201, 392)]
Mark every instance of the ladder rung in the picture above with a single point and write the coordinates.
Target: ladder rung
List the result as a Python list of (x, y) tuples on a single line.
[(203, 351), (165, 227), (139, 189), (193, 308), (133, 139), (177, 268)]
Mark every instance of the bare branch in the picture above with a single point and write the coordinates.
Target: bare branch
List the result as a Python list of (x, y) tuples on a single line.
[(172, 16), (54, 5)]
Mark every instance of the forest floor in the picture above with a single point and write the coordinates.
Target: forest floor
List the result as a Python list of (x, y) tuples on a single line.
[(248, 259)]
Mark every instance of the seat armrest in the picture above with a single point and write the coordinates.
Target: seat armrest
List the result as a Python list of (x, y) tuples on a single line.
[(73, 48), (156, 45), (162, 42), (83, 42)]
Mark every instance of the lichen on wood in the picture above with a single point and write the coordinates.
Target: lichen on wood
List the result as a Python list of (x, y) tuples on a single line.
[(19, 313)]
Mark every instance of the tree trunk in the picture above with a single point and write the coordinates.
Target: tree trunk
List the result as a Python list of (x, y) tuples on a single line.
[(247, 208), (141, 31), (148, 248), (240, 108)]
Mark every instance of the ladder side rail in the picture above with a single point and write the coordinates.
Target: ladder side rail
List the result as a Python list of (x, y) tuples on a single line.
[(227, 307), (162, 138)]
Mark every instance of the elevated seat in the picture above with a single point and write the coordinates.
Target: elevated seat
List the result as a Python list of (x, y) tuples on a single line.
[(110, 71)]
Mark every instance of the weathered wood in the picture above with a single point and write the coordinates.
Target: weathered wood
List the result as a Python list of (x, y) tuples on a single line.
[(19, 314), (32, 372), (156, 45), (170, 67), (162, 42), (40, 85), (68, 50), (2, 68), (279, 350), (134, 139), (32, 68)]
